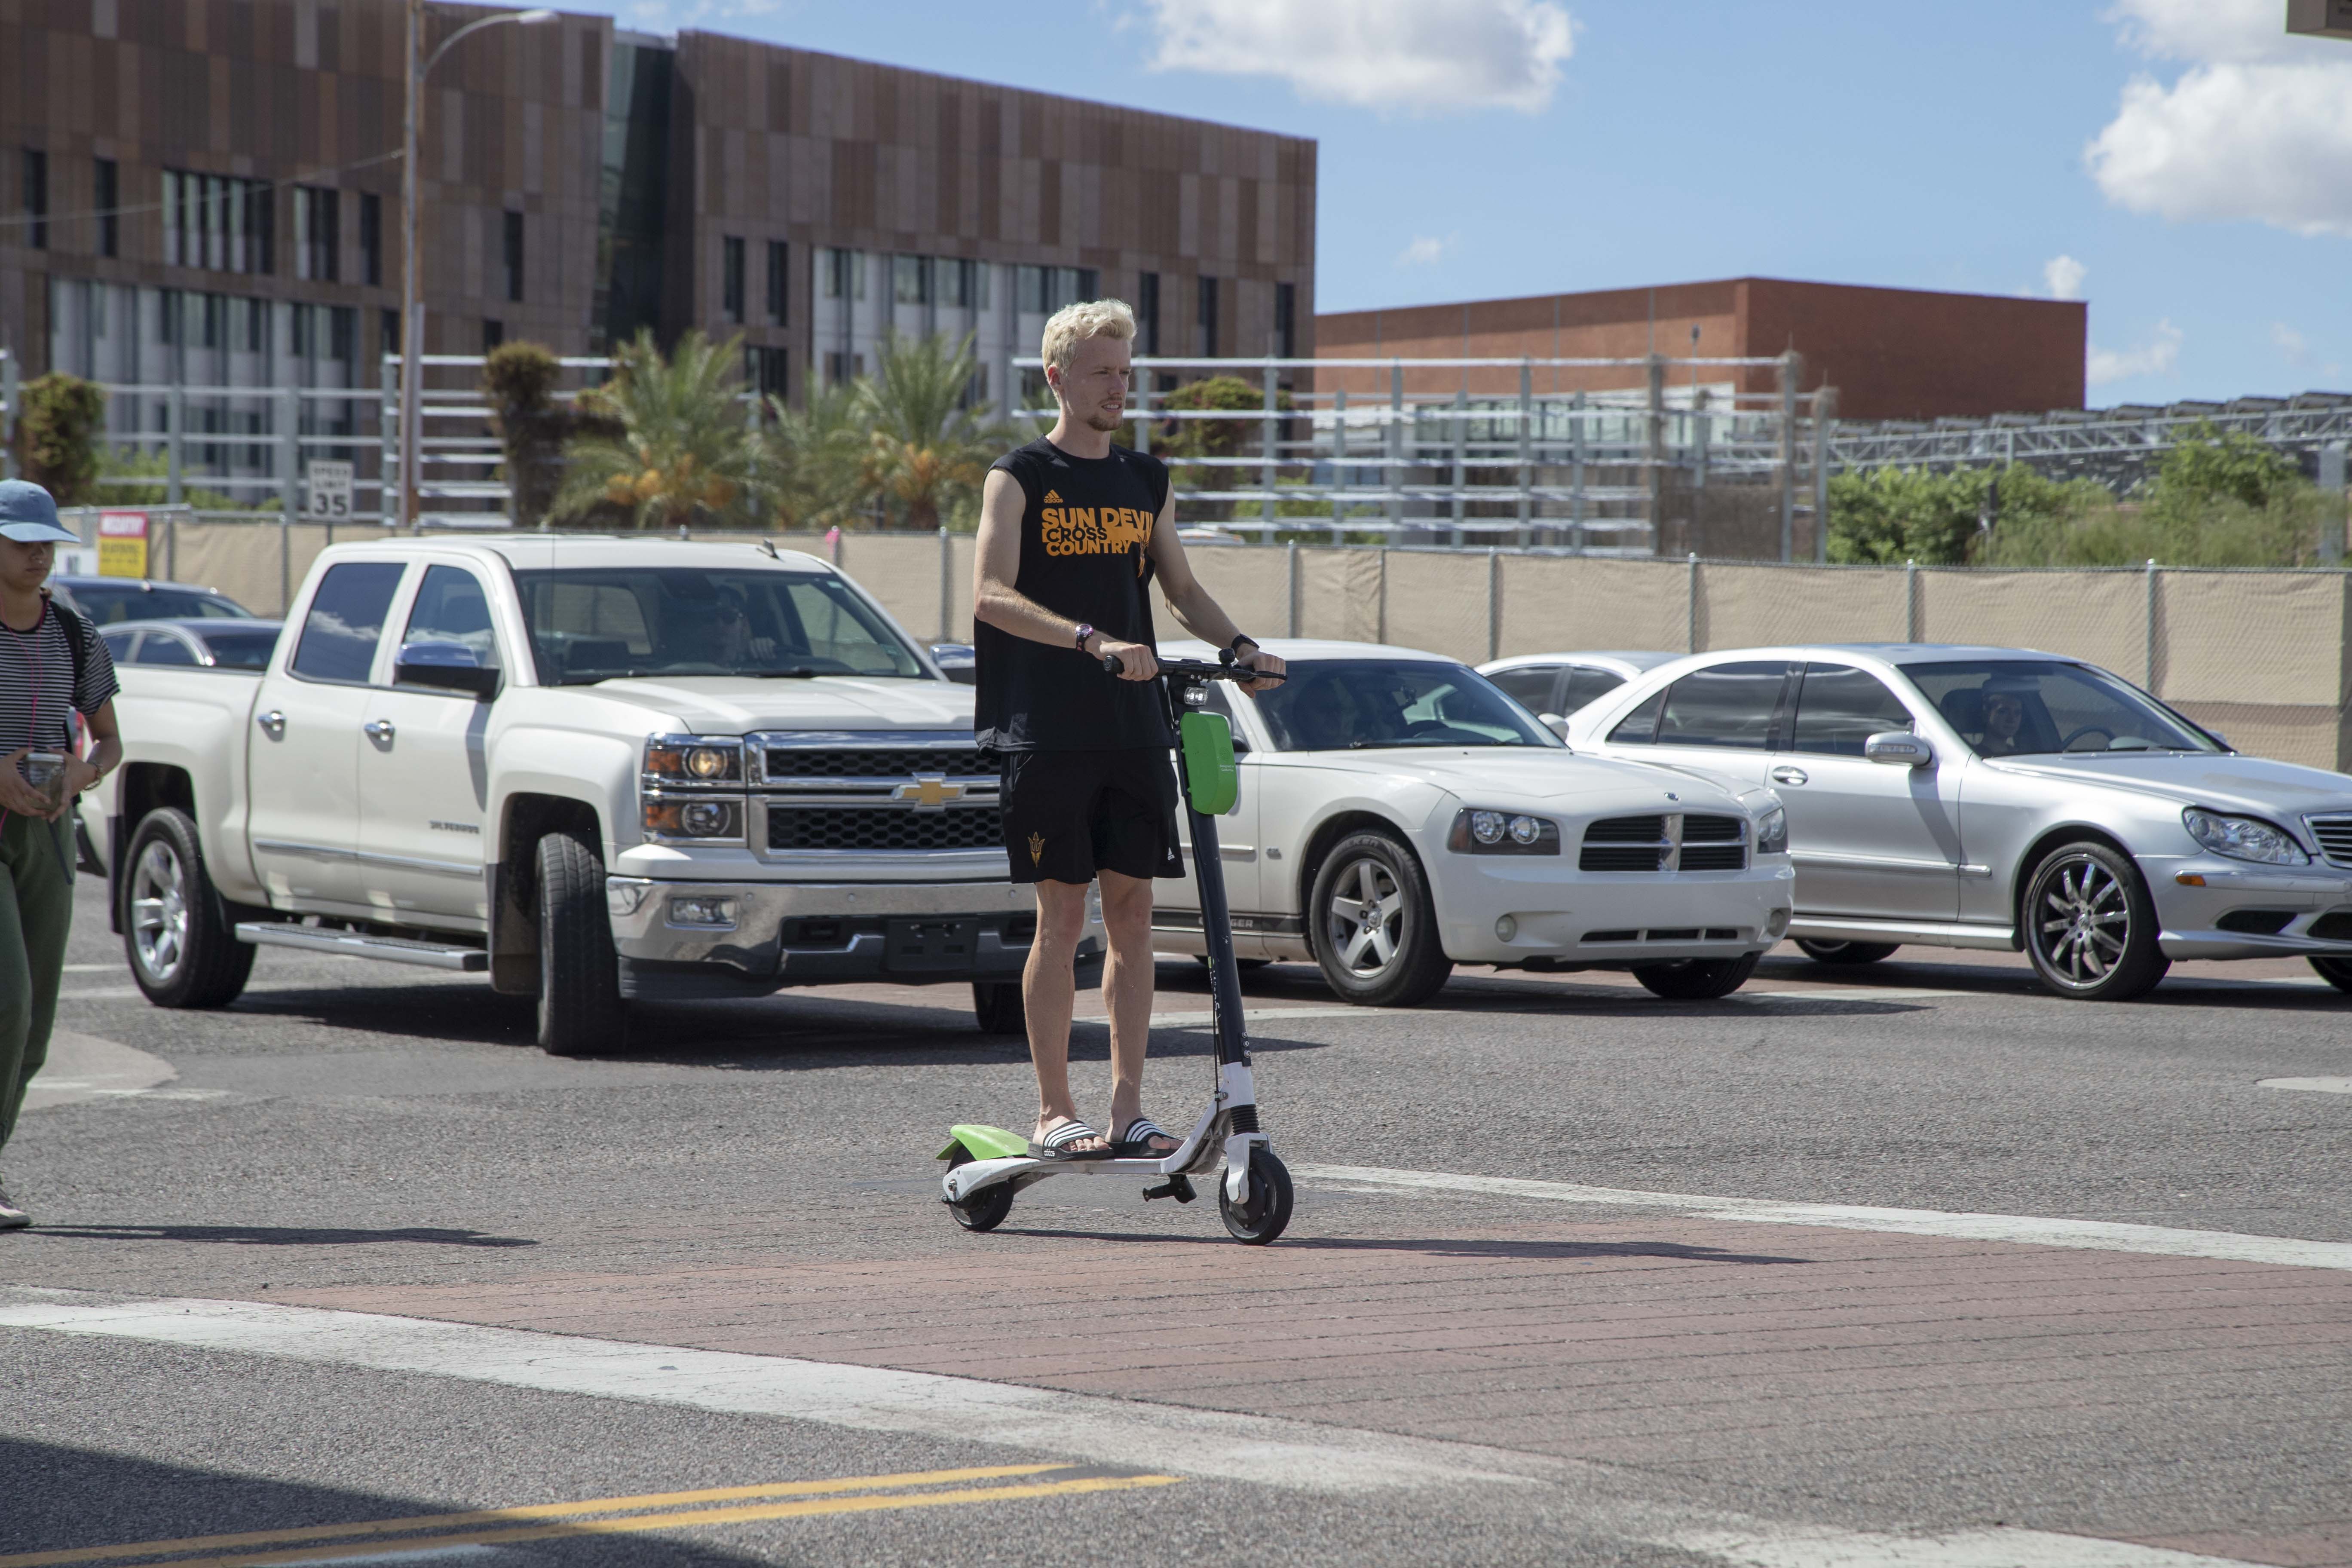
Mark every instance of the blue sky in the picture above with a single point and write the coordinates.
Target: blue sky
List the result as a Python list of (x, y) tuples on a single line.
[(2182, 164)]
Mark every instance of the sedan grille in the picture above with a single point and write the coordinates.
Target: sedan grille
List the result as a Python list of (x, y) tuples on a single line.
[(860, 828), (2335, 836), (1649, 844)]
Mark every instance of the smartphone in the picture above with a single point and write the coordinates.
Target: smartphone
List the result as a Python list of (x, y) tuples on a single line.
[(46, 772)]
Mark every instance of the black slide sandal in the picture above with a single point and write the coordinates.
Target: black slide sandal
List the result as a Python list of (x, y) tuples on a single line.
[(1135, 1143), (1056, 1144)]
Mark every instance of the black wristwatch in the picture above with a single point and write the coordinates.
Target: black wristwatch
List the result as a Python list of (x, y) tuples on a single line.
[(1085, 631)]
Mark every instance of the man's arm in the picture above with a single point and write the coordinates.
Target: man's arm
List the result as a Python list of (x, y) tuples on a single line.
[(1195, 610), (996, 565)]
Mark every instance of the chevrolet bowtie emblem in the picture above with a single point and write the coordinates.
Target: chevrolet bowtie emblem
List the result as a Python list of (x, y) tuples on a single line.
[(930, 789)]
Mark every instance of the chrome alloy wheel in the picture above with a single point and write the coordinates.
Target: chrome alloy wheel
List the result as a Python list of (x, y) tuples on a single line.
[(1365, 922), (159, 912), (2082, 921)]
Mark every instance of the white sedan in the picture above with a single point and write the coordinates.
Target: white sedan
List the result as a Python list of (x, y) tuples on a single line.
[(1399, 815)]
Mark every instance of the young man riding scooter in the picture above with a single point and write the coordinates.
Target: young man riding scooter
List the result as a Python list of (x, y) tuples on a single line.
[(1071, 531)]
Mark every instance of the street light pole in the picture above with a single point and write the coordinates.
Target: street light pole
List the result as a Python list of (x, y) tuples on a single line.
[(412, 284)]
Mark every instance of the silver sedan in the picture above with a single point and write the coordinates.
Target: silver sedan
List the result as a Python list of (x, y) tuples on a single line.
[(1993, 797)]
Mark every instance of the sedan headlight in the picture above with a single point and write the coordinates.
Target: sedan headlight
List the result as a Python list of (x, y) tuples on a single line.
[(1480, 832), (1772, 832), (2245, 837)]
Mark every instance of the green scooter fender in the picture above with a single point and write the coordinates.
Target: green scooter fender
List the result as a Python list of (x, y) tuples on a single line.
[(984, 1143)]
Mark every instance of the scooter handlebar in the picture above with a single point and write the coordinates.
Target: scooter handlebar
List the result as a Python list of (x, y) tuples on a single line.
[(1190, 669)]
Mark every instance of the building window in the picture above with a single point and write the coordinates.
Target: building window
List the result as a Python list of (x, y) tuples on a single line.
[(371, 239), (342, 334), (306, 342), (910, 279), (106, 188), (318, 230), (1147, 312), (1206, 318), (1285, 320), (844, 278), (387, 328), (779, 282), (764, 369), (167, 315), (1029, 290), (218, 224), (843, 367), (962, 285), (731, 278), (256, 325), (511, 252), (37, 199), (494, 332)]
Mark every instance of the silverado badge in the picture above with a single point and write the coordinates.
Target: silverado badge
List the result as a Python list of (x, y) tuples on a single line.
[(1036, 848)]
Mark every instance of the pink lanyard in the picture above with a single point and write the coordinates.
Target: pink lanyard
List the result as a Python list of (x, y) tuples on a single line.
[(33, 652)]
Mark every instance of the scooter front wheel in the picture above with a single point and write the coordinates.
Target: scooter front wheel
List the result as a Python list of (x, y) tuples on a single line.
[(985, 1209), (1264, 1213)]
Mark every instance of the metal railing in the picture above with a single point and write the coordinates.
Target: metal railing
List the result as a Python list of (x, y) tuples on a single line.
[(2118, 447)]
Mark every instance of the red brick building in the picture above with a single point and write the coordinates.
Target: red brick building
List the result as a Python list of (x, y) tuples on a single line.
[(1892, 353)]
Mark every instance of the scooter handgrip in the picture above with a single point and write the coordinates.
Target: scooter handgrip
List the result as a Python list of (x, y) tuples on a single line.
[(1111, 665)]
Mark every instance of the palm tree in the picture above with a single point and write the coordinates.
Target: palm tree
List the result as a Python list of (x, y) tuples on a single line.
[(683, 447), (812, 458), (931, 444)]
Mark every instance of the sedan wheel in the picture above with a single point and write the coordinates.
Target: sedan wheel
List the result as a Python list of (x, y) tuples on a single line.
[(2090, 927), (1373, 928)]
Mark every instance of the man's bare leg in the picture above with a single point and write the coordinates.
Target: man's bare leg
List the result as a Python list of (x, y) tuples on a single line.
[(1126, 987), (1048, 992)]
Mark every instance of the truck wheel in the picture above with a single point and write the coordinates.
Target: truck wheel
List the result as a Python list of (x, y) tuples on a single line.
[(1373, 927), (1696, 979), (580, 1012), (182, 950), (996, 1004)]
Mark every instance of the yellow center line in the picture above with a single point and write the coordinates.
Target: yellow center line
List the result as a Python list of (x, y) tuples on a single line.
[(869, 1503), (529, 1511)]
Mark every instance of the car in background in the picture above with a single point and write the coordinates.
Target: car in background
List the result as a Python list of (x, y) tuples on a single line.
[(1398, 815), (193, 644), (108, 601), (1553, 686), (959, 661), (1995, 798)]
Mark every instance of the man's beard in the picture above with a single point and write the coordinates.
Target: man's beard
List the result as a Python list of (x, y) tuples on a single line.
[(1105, 423)]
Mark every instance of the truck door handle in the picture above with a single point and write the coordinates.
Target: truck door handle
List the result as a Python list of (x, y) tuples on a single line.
[(273, 724), (379, 732), (1788, 775)]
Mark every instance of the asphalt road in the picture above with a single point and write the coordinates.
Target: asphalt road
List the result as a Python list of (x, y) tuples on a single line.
[(1588, 1379)]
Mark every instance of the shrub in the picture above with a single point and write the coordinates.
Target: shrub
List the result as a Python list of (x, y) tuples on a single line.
[(57, 435), (1937, 519), (519, 380)]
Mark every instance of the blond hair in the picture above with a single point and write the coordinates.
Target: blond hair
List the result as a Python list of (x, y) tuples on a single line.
[(1073, 324)]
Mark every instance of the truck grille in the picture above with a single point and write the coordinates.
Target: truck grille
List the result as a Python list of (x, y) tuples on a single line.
[(783, 762), (2335, 835), (1648, 844), (884, 827)]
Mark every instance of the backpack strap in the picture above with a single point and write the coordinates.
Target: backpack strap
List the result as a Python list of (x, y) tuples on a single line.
[(78, 634)]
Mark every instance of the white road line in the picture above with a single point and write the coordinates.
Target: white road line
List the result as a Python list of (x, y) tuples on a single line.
[(1261, 1450), (2314, 1085), (2091, 1235), (83, 1067)]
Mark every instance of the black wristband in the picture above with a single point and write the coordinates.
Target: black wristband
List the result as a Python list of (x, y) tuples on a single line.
[(1234, 647)]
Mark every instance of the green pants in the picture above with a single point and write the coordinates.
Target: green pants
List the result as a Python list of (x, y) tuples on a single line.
[(35, 912)]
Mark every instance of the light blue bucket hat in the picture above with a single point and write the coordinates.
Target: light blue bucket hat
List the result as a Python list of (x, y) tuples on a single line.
[(29, 515)]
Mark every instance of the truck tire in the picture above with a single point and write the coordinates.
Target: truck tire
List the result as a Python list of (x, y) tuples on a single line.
[(175, 933), (581, 1013), (997, 1007)]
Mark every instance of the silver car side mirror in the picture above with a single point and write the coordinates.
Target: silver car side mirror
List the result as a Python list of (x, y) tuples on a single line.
[(1898, 749), (1554, 723)]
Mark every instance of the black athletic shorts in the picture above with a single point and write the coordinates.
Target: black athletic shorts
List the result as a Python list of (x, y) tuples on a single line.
[(1068, 815)]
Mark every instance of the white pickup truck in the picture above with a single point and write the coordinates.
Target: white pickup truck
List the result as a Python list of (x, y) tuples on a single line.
[(603, 769)]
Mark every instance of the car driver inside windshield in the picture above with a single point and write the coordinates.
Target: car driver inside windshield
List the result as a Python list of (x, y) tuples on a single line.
[(2004, 720), (737, 645)]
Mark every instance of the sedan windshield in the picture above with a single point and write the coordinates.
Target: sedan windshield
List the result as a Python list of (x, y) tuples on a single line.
[(1337, 705), (2017, 708), (240, 650), (589, 626)]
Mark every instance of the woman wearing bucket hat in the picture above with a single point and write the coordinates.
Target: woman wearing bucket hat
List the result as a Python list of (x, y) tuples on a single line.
[(52, 665)]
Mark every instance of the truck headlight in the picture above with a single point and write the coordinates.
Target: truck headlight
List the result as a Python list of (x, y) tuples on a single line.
[(693, 759), (1772, 832), (693, 820), (1481, 832), (2245, 837)]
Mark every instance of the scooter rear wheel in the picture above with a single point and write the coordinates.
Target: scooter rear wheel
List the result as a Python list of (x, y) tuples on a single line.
[(1266, 1211), (987, 1208)]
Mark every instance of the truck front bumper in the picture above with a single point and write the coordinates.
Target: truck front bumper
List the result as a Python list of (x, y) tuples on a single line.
[(697, 940)]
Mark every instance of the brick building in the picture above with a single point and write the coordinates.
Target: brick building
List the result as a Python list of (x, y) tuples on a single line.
[(208, 192), (1892, 353)]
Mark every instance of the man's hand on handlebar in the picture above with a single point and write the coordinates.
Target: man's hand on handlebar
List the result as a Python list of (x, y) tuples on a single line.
[(1135, 661), (1266, 665)]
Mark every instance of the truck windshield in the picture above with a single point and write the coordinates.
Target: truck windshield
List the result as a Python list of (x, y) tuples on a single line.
[(1337, 705), (588, 625)]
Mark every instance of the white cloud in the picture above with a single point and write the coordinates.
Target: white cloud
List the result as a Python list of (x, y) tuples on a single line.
[(1427, 249), (2062, 278), (2259, 126), (679, 15), (2292, 344), (2155, 357), (1415, 55)]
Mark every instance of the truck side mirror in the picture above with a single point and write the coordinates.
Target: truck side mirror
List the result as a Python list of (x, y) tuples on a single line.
[(444, 667)]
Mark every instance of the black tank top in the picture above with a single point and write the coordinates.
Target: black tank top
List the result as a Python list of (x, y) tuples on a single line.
[(1085, 524)]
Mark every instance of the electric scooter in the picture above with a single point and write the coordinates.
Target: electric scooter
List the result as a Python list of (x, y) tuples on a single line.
[(987, 1166)]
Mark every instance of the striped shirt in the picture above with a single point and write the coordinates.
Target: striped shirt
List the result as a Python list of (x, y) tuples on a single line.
[(39, 720)]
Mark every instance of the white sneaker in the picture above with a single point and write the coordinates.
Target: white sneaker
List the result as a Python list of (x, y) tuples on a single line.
[(11, 1217)]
